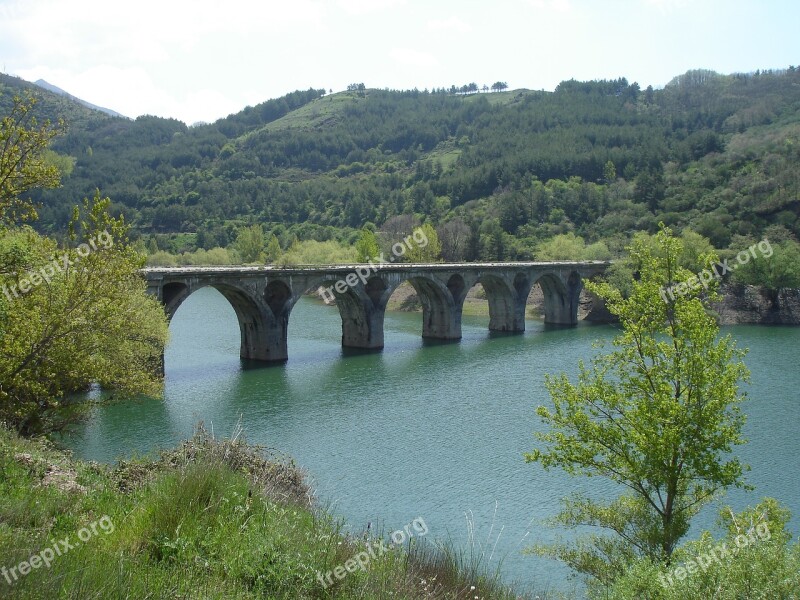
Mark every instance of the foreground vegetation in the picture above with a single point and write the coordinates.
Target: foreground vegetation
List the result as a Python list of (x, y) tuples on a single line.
[(660, 416), (209, 519), (221, 519)]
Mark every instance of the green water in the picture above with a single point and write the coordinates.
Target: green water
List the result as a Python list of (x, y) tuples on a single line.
[(420, 430)]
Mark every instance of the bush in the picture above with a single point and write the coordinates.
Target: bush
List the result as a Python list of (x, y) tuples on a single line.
[(312, 252), (162, 259), (758, 562)]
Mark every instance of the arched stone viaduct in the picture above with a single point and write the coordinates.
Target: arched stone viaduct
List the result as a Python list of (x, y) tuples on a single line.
[(263, 297)]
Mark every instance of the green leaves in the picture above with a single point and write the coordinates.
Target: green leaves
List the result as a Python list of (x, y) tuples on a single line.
[(659, 414), (85, 318), (24, 162), (423, 246), (367, 247), (250, 243)]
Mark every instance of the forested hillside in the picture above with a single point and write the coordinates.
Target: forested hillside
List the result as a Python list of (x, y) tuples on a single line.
[(499, 171)]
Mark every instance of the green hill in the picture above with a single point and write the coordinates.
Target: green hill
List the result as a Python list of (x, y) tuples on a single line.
[(717, 153)]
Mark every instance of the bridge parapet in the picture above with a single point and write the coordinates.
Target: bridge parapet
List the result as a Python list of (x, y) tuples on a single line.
[(263, 296)]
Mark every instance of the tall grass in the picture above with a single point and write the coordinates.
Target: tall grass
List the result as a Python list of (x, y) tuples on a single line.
[(209, 519)]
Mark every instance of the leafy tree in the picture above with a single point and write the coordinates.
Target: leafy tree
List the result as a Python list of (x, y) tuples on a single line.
[(250, 243), (649, 188), (596, 251), (71, 317), (610, 172), (359, 88), (429, 250), (24, 160), (658, 415), (152, 245), (759, 557), (367, 247), (161, 258), (695, 248), (567, 246), (778, 268), (274, 251), (312, 252)]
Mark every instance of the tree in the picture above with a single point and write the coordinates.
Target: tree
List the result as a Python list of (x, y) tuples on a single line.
[(428, 250), (776, 266), (274, 251), (499, 86), (396, 228), (695, 248), (367, 247), (454, 236), (23, 159), (610, 172), (152, 245), (658, 416), (74, 316), (649, 188), (250, 243), (359, 88), (566, 246)]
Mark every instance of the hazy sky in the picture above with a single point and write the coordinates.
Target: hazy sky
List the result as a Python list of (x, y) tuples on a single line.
[(204, 59)]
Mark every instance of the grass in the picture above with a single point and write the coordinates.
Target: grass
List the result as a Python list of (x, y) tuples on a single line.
[(209, 519), (316, 114)]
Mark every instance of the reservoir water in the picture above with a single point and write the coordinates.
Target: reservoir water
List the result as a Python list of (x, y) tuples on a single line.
[(424, 430)]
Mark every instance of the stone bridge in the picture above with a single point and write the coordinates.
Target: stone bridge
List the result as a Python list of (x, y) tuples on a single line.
[(263, 296)]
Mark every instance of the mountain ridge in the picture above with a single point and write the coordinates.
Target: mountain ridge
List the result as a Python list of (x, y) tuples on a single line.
[(57, 90), (599, 159)]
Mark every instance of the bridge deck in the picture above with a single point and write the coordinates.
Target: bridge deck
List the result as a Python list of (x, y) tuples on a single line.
[(385, 266)]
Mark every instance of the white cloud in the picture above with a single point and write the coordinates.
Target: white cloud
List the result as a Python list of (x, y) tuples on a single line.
[(451, 24), (413, 58), (362, 7), (96, 30)]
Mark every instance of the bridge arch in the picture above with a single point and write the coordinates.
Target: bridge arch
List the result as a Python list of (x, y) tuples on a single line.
[(441, 310), (256, 326)]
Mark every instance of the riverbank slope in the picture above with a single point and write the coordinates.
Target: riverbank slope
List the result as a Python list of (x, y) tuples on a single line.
[(208, 519)]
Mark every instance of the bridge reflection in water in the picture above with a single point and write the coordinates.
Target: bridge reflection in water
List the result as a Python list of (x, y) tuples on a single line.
[(263, 296)]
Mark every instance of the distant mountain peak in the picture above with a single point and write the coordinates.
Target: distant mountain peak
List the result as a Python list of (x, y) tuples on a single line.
[(57, 90)]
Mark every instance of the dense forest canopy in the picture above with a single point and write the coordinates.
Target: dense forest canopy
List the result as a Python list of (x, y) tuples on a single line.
[(600, 159)]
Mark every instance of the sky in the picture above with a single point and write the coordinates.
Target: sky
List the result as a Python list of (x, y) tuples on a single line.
[(204, 59)]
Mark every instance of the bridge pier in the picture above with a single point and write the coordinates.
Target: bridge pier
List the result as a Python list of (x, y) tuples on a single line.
[(506, 304), (264, 341), (560, 301), (362, 320), (441, 311)]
